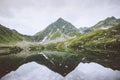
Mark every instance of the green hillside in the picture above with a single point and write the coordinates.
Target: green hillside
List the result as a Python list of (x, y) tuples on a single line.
[(103, 24), (7, 35), (57, 34), (103, 39)]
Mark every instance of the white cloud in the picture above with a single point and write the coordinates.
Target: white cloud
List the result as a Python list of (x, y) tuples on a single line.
[(31, 16)]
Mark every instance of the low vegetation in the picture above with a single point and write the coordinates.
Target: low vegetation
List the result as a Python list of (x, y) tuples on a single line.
[(57, 34), (8, 36)]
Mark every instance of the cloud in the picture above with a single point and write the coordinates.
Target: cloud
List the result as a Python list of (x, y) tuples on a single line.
[(31, 16)]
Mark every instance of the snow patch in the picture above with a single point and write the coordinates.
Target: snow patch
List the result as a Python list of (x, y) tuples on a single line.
[(44, 38), (63, 26)]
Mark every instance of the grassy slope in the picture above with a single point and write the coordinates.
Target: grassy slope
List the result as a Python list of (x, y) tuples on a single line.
[(57, 34), (103, 39), (7, 35)]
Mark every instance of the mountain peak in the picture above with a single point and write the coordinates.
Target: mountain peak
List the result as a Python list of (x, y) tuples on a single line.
[(60, 19), (64, 27), (111, 18), (107, 23)]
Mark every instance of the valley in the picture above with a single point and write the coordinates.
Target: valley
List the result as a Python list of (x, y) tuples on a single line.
[(61, 46)]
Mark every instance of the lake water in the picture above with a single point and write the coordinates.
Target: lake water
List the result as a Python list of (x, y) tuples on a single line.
[(84, 71)]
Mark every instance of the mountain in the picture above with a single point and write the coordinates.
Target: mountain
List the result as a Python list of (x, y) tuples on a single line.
[(104, 24), (83, 29), (7, 35), (107, 23), (107, 39), (102, 39), (59, 30)]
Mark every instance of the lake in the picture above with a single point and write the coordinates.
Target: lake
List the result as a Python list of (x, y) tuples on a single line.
[(56, 65), (84, 71)]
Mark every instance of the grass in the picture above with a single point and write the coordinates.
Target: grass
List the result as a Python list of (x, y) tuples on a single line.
[(7, 35), (57, 34)]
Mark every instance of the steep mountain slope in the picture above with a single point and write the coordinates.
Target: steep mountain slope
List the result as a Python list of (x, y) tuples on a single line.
[(104, 24), (107, 23), (104, 39), (108, 39), (59, 28), (7, 35)]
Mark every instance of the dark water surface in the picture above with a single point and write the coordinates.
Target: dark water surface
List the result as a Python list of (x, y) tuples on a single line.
[(60, 62)]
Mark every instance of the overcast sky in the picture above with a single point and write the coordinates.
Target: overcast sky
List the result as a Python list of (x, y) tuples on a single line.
[(31, 16)]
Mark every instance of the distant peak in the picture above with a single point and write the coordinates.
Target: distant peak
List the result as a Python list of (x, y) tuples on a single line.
[(112, 17), (60, 19)]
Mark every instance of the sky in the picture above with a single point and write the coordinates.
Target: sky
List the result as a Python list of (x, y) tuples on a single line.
[(31, 16)]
